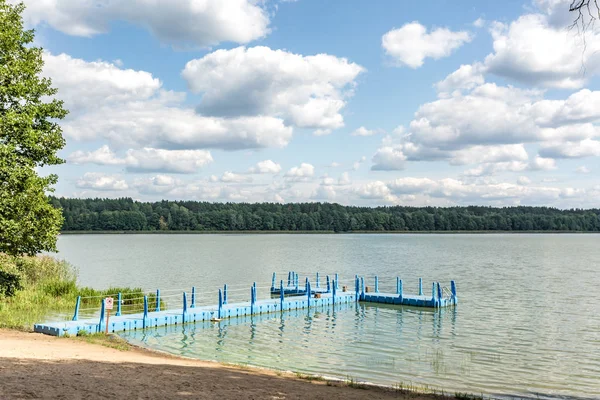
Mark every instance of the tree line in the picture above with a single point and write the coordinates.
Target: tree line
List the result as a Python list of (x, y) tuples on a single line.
[(125, 214)]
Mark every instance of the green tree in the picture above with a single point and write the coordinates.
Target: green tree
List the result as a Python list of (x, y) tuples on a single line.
[(29, 138)]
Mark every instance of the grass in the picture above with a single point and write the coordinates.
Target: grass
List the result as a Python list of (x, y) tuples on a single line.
[(49, 286), (110, 340), (308, 377)]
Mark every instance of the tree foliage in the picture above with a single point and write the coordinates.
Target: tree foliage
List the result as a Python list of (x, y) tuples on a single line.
[(128, 215), (30, 137)]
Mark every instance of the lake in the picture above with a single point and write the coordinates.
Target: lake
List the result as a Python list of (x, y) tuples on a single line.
[(527, 323)]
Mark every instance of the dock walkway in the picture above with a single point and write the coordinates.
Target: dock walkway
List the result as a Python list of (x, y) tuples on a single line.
[(286, 297)]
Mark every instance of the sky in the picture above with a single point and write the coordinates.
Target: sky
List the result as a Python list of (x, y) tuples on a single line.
[(360, 103)]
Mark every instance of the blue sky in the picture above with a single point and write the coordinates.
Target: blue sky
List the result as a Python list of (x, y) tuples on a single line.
[(369, 103)]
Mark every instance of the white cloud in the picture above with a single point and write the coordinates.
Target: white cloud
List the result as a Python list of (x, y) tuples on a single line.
[(542, 163), (265, 167), (147, 159), (389, 158), (84, 85), (324, 192), (344, 179), (182, 23), (583, 148), (303, 172), (583, 170), (411, 44), (523, 180), (534, 51), (231, 177), (358, 163), (377, 190), (362, 131), (100, 181), (158, 184), (306, 91), (128, 109), (465, 77)]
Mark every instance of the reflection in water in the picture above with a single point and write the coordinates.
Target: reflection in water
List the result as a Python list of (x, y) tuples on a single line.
[(360, 340)]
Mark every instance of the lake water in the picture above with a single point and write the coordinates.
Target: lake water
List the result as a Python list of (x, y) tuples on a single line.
[(527, 323)]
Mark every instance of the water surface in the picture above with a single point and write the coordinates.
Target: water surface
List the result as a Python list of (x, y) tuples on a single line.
[(528, 321)]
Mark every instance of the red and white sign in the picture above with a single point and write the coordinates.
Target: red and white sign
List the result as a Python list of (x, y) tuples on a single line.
[(108, 303)]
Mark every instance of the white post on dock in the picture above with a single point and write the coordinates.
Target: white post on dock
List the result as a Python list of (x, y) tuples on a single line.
[(376, 284), (420, 286)]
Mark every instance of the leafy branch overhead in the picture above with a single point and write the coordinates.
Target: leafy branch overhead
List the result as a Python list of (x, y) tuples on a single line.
[(30, 137)]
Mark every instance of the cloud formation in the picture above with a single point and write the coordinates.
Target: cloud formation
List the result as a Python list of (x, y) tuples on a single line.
[(181, 23), (306, 91), (411, 44)]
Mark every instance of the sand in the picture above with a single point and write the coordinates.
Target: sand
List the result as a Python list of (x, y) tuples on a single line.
[(37, 366)]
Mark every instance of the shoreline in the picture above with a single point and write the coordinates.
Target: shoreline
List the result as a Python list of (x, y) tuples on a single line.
[(38, 366), (489, 232)]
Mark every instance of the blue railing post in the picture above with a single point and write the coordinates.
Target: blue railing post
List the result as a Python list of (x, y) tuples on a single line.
[(420, 286), (433, 294), (281, 294), (376, 284), (193, 302), (145, 311), (119, 301), (220, 304), (308, 292), (453, 289), (225, 294), (306, 284), (400, 289), (328, 284), (273, 281), (337, 281), (334, 285), (102, 311), (439, 290), (252, 299), (297, 281), (289, 278), (362, 287), (318, 283), (76, 313), (356, 287), (157, 307), (184, 307), (397, 285)]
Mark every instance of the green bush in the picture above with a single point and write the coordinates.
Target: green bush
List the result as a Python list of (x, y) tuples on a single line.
[(9, 284)]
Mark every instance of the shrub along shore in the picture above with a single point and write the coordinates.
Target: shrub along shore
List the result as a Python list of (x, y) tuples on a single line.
[(32, 288)]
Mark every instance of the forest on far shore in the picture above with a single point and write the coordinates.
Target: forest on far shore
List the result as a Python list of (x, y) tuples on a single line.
[(126, 214)]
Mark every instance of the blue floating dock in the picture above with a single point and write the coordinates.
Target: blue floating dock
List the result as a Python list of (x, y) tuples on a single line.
[(287, 297)]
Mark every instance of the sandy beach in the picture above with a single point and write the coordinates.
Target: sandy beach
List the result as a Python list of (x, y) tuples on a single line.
[(38, 366)]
